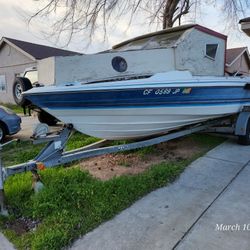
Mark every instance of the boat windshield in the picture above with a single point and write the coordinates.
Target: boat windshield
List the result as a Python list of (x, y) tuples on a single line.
[(153, 42)]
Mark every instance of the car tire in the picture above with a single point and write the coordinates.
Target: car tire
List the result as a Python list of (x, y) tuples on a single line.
[(20, 85), (47, 118), (245, 139), (2, 132)]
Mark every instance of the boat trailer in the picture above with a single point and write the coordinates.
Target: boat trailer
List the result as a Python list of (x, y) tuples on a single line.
[(54, 154)]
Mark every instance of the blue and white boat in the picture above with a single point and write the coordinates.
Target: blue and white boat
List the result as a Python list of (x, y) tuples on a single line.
[(144, 107), (145, 86)]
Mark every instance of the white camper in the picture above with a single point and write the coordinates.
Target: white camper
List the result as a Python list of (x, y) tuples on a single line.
[(191, 48)]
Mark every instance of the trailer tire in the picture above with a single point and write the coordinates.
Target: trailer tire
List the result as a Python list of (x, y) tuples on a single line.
[(245, 139), (47, 118), (20, 85)]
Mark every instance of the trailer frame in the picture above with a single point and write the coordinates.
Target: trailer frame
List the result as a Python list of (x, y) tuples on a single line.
[(54, 154)]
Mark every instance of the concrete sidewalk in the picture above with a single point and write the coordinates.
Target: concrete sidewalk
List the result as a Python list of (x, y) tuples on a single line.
[(212, 193), (5, 244)]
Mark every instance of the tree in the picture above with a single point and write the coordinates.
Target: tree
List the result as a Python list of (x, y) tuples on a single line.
[(88, 15)]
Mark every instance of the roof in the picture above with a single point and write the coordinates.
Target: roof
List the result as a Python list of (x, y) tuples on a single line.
[(232, 55), (37, 51), (244, 20), (171, 30)]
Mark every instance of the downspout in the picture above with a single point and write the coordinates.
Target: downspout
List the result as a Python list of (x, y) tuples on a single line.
[(225, 56)]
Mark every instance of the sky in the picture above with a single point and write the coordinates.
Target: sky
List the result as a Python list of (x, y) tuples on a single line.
[(14, 15)]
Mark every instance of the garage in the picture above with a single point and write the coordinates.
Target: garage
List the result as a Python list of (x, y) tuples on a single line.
[(16, 56)]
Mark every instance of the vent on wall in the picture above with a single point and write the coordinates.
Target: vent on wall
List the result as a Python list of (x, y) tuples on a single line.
[(119, 64)]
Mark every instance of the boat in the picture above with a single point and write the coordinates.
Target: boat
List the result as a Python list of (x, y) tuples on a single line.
[(150, 85), (139, 108)]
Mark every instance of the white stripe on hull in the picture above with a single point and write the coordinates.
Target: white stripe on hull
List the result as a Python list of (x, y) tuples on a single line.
[(118, 123)]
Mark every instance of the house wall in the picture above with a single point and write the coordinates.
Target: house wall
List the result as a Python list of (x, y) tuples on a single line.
[(11, 62), (190, 54), (98, 66), (240, 66)]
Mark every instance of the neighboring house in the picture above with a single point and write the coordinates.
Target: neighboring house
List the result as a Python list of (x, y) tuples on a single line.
[(245, 25), (237, 61), (16, 56)]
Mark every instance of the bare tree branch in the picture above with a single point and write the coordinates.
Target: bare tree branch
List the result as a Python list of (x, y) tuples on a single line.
[(90, 15)]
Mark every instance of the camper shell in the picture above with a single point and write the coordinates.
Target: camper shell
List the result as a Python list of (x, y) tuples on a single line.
[(191, 48)]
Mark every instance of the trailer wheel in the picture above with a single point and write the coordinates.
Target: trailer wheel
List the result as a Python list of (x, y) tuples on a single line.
[(245, 139), (20, 85), (47, 118)]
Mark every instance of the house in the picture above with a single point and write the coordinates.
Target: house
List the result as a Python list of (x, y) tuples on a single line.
[(189, 47), (237, 61), (245, 25), (16, 56)]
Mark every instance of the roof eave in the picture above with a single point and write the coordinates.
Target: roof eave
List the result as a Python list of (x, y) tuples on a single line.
[(236, 58), (174, 29), (17, 48)]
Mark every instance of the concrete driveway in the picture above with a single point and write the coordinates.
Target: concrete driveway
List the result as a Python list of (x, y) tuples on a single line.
[(28, 124)]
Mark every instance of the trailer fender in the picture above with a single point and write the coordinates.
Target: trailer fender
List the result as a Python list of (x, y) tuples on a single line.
[(241, 123)]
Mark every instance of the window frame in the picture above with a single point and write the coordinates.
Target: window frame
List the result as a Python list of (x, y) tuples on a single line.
[(210, 57)]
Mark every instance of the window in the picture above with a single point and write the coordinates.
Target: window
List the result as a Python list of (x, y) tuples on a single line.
[(2, 83), (211, 50)]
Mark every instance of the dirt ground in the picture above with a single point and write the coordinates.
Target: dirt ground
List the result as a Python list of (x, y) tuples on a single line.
[(108, 166)]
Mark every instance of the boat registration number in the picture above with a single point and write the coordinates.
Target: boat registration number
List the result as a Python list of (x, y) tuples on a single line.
[(167, 91)]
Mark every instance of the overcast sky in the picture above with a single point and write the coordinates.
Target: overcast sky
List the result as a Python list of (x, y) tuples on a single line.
[(13, 24)]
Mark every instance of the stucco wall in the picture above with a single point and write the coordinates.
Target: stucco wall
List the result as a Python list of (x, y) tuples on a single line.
[(191, 54), (12, 62), (98, 66)]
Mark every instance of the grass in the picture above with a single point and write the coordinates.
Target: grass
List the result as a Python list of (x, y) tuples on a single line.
[(15, 108), (73, 202)]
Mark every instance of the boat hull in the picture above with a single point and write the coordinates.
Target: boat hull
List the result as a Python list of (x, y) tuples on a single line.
[(116, 124), (128, 109)]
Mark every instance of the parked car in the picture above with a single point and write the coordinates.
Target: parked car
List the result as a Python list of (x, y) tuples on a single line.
[(28, 80), (10, 123)]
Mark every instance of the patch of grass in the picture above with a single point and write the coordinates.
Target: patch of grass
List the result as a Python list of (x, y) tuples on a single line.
[(20, 152), (206, 140), (144, 152), (15, 108), (78, 140), (73, 202)]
